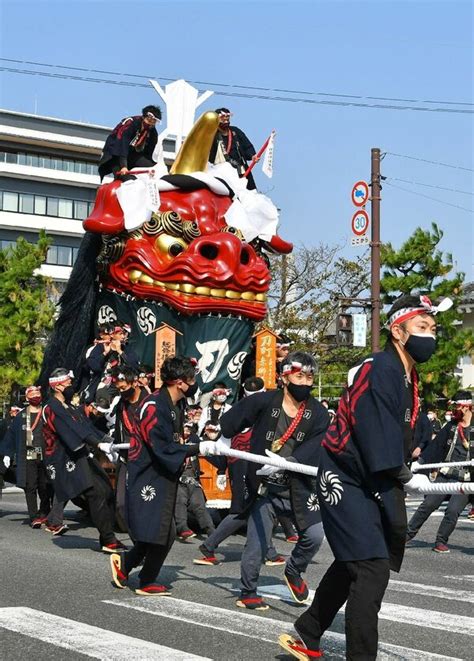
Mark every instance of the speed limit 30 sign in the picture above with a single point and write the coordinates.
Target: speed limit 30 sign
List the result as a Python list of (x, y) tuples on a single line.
[(360, 222)]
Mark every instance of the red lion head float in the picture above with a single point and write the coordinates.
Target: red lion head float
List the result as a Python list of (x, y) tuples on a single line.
[(185, 254)]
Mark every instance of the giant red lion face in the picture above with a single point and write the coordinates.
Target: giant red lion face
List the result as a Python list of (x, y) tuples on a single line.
[(185, 255)]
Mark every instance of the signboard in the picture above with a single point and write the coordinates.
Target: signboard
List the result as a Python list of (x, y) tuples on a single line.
[(359, 330), (360, 222), (265, 366), (360, 241), (165, 347), (360, 193)]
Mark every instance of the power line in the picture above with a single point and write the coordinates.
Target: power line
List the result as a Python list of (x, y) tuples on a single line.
[(265, 97), (449, 204), (231, 85), (425, 160), (419, 183)]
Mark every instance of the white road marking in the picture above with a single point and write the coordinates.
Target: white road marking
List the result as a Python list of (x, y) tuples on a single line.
[(466, 577), (258, 627), (86, 639), (432, 591)]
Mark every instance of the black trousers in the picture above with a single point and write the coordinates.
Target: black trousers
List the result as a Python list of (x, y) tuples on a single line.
[(362, 583), (100, 503), (190, 498), (36, 485), (456, 504), (152, 555), (134, 160)]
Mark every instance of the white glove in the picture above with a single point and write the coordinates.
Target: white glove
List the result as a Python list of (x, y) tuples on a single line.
[(7, 461), (416, 466), (208, 448), (221, 482), (105, 447), (417, 484), (112, 456)]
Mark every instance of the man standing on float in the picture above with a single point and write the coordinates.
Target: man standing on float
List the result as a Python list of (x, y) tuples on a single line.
[(361, 480)]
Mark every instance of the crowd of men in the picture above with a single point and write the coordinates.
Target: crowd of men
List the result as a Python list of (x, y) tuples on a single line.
[(62, 445)]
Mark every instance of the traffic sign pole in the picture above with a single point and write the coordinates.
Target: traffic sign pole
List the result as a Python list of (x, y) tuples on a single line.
[(375, 248)]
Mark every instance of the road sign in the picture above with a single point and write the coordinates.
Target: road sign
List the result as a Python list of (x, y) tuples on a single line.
[(360, 241), (360, 222), (360, 193)]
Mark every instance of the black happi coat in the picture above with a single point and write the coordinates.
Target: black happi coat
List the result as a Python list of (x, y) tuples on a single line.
[(67, 432), (261, 412), (13, 444), (362, 505), (155, 463), (118, 142)]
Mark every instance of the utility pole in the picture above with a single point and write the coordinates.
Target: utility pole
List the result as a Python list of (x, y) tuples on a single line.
[(375, 248)]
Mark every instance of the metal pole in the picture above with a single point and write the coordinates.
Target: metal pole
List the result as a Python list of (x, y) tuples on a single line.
[(375, 248)]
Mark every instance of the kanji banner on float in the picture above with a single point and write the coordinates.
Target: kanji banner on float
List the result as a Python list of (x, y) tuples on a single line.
[(219, 343)]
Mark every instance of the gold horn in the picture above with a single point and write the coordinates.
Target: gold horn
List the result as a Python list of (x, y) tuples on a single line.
[(194, 153)]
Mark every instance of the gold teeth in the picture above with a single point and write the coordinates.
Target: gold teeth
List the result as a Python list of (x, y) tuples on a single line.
[(199, 290)]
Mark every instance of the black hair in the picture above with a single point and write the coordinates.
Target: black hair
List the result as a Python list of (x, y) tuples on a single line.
[(124, 373), (59, 371), (176, 368), (306, 359), (155, 110), (254, 384), (219, 110), (219, 384), (404, 301), (106, 328), (283, 339)]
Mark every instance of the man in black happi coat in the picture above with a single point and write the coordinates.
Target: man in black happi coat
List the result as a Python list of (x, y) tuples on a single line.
[(361, 476)]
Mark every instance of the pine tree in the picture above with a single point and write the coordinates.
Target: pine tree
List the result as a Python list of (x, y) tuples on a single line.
[(26, 312), (419, 266)]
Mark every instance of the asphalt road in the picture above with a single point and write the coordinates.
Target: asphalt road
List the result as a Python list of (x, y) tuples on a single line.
[(56, 598)]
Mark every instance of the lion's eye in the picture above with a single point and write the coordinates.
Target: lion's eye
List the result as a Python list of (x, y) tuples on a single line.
[(170, 245), (175, 249)]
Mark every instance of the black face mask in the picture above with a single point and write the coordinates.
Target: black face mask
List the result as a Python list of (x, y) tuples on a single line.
[(299, 392), (192, 390), (127, 394), (68, 393), (420, 347)]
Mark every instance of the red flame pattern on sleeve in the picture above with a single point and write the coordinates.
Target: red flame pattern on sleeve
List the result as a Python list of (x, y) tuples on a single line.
[(339, 432), (49, 431)]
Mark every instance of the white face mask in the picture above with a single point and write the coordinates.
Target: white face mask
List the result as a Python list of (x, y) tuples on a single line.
[(431, 416), (448, 417)]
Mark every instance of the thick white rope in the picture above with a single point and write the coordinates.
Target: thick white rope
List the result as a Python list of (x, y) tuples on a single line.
[(452, 464), (447, 487)]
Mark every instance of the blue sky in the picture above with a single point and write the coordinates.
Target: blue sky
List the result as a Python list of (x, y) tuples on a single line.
[(407, 50)]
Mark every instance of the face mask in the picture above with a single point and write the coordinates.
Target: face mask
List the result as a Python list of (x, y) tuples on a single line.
[(431, 416), (221, 398), (192, 390), (420, 347), (68, 393), (299, 392), (127, 394), (448, 417), (34, 401)]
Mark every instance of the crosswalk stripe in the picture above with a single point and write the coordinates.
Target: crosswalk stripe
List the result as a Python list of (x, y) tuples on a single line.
[(463, 578), (395, 612), (86, 639), (432, 591), (257, 627)]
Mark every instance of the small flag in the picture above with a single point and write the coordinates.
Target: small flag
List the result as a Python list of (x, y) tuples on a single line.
[(267, 167)]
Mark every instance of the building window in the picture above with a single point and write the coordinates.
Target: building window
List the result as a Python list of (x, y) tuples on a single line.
[(26, 203), (45, 161), (61, 255), (11, 158), (40, 205), (21, 159), (7, 244), (52, 206), (52, 255), (65, 208), (81, 210), (64, 256), (10, 201)]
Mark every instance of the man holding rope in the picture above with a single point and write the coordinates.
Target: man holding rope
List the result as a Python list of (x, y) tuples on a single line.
[(454, 443), (362, 473), (288, 423)]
